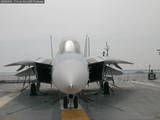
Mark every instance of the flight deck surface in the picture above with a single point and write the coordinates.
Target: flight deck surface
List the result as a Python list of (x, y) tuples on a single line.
[(132, 99)]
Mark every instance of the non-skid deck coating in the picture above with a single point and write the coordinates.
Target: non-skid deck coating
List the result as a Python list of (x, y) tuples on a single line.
[(73, 114), (133, 99)]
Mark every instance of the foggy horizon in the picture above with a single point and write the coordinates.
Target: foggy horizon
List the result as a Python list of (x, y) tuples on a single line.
[(131, 29)]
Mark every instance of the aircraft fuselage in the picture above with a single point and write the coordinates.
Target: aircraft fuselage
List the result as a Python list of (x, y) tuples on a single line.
[(70, 72)]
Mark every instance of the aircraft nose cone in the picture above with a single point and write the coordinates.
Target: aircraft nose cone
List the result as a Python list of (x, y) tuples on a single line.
[(70, 76), (72, 79)]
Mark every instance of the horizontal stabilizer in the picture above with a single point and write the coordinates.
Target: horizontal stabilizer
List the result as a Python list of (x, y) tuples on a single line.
[(21, 67), (112, 71), (29, 71), (117, 66)]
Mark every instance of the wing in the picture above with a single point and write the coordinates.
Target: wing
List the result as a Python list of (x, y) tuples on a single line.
[(22, 63), (40, 67), (99, 64), (30, 62), (107, 60)]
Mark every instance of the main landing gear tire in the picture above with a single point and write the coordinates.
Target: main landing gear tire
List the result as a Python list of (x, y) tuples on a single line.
[(65, 102), (33, 90), (106, 88), (151, 76), (75, 102)]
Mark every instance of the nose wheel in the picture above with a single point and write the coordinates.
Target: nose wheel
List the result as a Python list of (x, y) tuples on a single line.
[(70, 102)]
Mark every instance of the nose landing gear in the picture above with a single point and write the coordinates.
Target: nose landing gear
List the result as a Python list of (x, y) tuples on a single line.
[(70, 102)]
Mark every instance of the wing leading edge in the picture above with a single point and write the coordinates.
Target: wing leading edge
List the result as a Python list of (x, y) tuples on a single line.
[(41, 68)]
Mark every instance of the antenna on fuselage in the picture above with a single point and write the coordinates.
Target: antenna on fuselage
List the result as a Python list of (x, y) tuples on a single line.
[(51, 47), (106, 50)]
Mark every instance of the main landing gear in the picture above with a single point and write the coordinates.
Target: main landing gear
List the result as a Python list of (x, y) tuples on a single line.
[(33, 89), (104, 85), (106, 88), (70, 101)]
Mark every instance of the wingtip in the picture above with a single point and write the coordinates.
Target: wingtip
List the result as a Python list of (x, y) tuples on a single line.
[(129, 62), (6, 65), (10, 65)]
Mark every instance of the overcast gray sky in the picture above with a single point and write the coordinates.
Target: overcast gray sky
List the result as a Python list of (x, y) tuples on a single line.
[(131, 27)]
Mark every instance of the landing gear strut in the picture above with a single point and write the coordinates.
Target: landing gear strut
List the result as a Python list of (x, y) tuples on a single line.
[(70, 101), (104, 85), (75, 102), (106, 88), (33, 90), (65, 102)]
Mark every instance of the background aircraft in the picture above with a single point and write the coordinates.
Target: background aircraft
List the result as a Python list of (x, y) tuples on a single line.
[(70, 71)]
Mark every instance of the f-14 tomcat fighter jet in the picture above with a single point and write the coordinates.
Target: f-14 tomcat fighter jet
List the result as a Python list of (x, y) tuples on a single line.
[(70, 71)]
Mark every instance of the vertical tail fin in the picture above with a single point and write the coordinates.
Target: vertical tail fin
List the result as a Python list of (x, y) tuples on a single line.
[(52, 59), (51, 47), (87, 47)]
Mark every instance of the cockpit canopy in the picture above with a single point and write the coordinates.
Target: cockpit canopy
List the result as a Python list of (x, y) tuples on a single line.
[(69, 46)]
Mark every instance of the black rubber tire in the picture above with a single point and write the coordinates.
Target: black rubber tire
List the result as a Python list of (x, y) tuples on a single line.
[(75, 102), (65, 102), (106, 88), (33, 90), (38, 86), (151, 76)]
